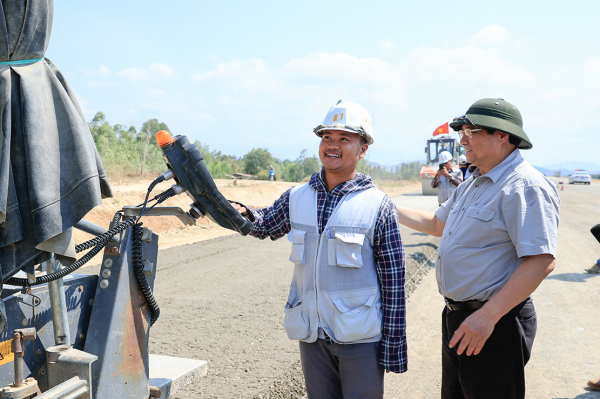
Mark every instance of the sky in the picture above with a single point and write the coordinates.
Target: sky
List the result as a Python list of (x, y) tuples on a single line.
[(239, 75)]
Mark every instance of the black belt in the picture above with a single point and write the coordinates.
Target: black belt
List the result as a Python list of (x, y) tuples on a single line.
[(467, 305)]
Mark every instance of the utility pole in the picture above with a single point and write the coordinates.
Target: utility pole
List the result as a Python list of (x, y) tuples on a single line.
[(146, 147)]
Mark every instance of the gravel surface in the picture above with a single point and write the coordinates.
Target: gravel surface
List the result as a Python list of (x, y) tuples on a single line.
[(222, 301), (565, 353), (225, 298)]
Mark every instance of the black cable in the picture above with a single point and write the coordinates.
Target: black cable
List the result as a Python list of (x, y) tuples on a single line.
[(138, 269), (160, 198), (159, 179), (97, 243)]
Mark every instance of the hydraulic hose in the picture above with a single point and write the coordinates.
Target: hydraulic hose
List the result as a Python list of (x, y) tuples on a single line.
[(138, 269)]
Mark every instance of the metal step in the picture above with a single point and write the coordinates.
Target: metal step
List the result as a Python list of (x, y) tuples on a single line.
[(173, 374)]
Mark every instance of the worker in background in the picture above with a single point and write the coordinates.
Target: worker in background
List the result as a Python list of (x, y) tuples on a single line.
[(272, 173), (346, 304), (498, 242), (447, 179), (463, 165)]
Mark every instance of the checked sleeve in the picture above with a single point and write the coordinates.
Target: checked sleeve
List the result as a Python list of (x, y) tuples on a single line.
[(389, 259), (273, 221)]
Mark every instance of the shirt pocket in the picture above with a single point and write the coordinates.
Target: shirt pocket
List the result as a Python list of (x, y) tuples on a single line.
[(297, 238), (356, 318), (476, 228), (345, 250)]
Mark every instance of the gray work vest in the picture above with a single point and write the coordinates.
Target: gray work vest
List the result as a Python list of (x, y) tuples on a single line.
[(335, 284), (445, 188)]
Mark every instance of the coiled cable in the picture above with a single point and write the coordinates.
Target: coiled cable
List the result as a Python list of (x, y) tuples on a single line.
[(96, 243), (138, 270), (99, 242)]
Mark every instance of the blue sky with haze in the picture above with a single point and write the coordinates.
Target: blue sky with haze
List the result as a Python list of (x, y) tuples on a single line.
[(238, 75)]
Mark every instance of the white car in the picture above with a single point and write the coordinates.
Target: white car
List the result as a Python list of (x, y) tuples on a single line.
[(580, 176)]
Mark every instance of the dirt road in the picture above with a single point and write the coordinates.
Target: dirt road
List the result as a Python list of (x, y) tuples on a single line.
[(224, 298), (565, 353)]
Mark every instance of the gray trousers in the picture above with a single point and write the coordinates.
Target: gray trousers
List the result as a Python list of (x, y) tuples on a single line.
[(335, 371)]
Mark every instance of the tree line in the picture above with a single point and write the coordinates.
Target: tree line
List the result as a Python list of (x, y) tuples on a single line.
[(127, 151)]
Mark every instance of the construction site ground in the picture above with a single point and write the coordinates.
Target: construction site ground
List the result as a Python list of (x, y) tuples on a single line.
[(222, 298)]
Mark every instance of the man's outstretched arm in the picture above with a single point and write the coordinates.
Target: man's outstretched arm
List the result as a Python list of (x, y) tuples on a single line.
[(272, 221), (423, 221)]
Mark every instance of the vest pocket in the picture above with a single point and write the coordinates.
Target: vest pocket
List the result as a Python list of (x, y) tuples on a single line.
[(346, 250), (295, 322), (296, 237), (356, 318)]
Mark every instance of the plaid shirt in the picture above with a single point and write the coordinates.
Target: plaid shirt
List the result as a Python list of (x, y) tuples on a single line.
[(274, 222)]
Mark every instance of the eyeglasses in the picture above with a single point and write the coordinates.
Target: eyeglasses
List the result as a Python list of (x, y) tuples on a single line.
[(468, 133)]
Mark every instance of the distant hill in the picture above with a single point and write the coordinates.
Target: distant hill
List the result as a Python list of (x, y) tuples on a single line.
[(568, 167), (550, 172), (563, 172)]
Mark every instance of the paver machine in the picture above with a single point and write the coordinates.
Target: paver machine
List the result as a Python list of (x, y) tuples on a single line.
[(62, 334), (435, 145), (69, 335)]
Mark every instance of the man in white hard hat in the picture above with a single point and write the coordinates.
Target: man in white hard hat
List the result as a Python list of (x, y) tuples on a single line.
[(447, 179), (346, 302)]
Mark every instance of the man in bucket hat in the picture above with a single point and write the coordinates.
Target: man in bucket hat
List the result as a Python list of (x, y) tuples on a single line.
[(498, 242)]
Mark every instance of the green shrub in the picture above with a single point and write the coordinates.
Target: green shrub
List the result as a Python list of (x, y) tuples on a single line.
[(263, 175)]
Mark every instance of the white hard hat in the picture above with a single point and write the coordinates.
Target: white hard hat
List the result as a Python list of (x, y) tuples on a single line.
[(445, 156), (462, 159), (349, 117)]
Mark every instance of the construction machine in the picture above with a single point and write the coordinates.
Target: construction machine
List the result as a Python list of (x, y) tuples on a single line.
[(69, 335), (435, 145), (64, 334)]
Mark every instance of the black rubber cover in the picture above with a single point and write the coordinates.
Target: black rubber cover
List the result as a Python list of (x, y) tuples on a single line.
[(187, 163)]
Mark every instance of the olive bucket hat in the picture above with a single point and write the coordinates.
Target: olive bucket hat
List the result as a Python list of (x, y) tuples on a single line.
[(497, 114)]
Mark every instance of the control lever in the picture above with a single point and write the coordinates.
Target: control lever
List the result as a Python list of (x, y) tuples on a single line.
[(187, 164)]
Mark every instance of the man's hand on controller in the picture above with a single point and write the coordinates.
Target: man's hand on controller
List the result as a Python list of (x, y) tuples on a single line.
[(242, 210)]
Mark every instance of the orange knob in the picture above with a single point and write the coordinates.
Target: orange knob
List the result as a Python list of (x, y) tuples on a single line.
[(163, 138)]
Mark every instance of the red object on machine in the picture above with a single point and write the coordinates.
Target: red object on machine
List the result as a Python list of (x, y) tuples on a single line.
[(443, 129), (163, 138)]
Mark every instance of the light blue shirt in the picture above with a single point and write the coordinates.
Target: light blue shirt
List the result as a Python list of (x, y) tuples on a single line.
[(492, 223)]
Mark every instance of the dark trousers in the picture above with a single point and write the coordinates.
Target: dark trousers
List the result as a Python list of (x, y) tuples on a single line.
[(335, 371), (498, 371)]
